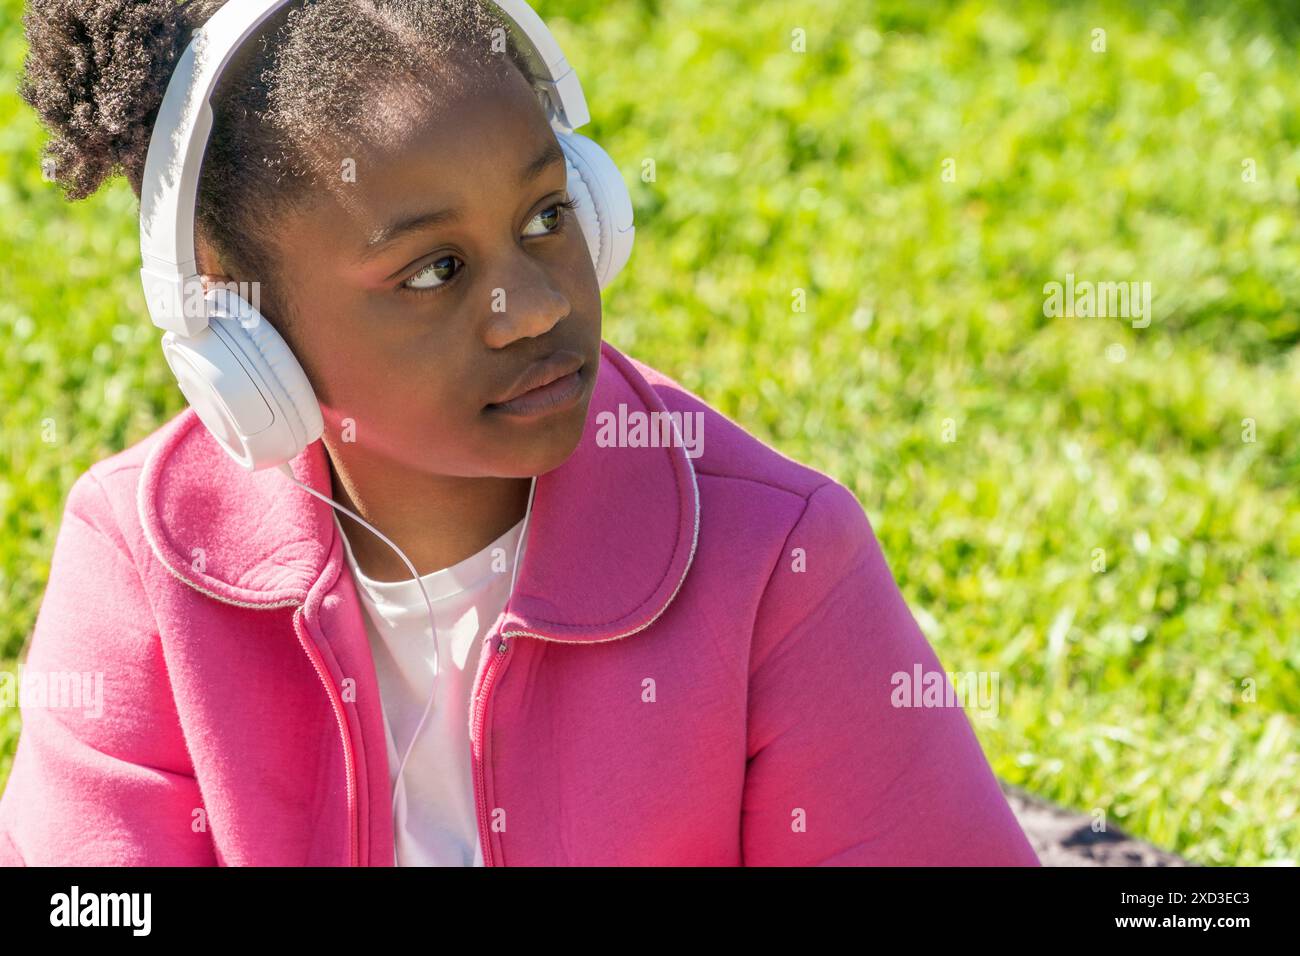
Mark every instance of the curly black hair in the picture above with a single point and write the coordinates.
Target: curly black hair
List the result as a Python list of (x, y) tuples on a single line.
[(296, 99)]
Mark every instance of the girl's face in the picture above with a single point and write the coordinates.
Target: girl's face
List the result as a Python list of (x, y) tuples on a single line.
[(429, 280)]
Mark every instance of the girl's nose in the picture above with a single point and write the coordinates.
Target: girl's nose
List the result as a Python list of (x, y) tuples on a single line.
[(527, 307)]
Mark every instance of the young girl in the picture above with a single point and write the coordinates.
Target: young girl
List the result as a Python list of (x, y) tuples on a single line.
[(539, 634)]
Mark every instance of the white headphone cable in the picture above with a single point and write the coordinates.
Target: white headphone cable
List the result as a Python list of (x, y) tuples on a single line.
[(514, 571)]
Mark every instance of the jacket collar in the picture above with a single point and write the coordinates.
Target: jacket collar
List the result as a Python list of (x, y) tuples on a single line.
[(611, 537)]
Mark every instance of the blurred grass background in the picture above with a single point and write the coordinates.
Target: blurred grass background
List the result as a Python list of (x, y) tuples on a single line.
[(1162, 691)]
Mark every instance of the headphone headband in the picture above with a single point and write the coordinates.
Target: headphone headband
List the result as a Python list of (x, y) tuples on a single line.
[(180, 135)]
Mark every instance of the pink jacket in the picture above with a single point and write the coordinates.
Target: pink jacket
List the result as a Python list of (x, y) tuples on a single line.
[(694, 669)]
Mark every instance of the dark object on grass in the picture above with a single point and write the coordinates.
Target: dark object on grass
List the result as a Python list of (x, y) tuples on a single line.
[(1063, 837)]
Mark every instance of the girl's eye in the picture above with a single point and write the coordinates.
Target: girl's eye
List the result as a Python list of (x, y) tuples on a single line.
[(440, 272), (553, 216), (433, 276)]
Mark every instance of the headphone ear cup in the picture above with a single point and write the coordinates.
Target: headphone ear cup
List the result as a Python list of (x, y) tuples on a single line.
[(588, 216), (245, 384), (604, 204), (286, 376)]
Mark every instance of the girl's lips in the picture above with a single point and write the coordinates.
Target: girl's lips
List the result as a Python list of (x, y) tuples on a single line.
[(559, 394)]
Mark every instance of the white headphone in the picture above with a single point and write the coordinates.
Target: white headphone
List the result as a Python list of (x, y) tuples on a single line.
[(232, 366)]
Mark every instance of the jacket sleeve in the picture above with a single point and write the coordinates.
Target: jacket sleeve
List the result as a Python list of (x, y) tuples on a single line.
[(101, 776), (839, 771)]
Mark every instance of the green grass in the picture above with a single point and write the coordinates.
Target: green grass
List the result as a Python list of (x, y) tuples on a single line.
[(821, 171)]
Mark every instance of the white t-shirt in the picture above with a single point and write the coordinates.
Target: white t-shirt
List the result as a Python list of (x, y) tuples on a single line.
[(434, 823)]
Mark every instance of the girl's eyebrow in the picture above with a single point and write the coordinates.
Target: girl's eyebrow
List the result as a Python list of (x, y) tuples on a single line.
[(548, 157)]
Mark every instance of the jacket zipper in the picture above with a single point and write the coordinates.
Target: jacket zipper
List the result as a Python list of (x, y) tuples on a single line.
[(349, 763), (484, 824)]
